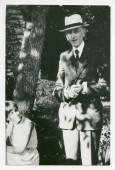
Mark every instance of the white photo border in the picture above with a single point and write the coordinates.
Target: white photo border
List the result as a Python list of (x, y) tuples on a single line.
[(3, 4)]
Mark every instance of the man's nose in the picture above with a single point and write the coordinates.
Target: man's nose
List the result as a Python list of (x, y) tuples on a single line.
[(73, 34)]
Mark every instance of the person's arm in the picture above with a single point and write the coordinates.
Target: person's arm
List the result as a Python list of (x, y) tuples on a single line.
[(101, 87), (26, 138), (61, 92), (9, 127)]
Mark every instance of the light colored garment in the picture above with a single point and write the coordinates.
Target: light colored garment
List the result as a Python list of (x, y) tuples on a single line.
[(84, 111), (71, 115), (30, 156), (87, 141), (80, 117)]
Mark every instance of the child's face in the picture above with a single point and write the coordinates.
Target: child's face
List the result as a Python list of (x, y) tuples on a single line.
[(14, 116)]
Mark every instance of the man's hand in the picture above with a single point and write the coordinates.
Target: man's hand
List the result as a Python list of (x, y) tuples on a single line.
[(102, 82), (73, 91), (76, 89)]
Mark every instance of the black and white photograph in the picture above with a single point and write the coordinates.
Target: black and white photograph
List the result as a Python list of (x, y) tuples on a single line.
[(57, 84)]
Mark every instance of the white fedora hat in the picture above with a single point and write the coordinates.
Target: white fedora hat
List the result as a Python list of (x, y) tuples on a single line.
[(73, 21)]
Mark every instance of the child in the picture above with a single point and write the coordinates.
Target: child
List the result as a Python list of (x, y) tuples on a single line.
[(22, 138)]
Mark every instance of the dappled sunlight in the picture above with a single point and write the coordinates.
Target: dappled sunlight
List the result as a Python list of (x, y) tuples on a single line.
[(27, 34), (20, 67), (33, 44), (84, 122), (19, 78), (40, 31), (34, 53), (29, 26), (85, 136), (22, 54), (15, 93)]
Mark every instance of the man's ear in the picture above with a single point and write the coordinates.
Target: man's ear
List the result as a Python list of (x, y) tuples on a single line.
[(67, 38), (84, 31)]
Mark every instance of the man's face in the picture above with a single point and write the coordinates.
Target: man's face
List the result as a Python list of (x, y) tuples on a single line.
[(75, 36)]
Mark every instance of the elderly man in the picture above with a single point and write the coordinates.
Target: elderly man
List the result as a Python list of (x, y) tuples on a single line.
[(79, 85)]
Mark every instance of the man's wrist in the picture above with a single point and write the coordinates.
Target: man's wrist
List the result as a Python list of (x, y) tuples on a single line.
[(84, 90), (68, 93)]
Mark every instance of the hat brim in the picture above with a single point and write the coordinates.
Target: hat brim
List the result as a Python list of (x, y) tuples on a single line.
[(72, 27)]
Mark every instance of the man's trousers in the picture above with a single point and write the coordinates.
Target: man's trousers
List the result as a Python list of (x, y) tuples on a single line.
[(82, 143)]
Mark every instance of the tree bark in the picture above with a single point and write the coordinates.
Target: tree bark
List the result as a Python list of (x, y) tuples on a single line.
[(30, 59)]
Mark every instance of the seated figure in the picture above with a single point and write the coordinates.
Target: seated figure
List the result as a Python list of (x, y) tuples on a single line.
[(21, 138)]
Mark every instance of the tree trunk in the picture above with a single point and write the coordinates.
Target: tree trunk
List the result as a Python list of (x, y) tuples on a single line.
[(30, 59)]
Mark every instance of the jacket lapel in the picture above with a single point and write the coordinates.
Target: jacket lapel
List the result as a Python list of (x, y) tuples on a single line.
[(85, 53), (81, 64), (82, 61)]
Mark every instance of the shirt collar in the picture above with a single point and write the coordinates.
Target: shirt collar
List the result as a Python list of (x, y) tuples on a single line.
[(80, 49)]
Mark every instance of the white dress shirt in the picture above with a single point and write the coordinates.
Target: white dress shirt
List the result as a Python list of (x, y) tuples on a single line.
[(80, 49), (67, 90)]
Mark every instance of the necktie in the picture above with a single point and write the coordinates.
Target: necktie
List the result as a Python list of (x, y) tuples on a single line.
[(77, 55), (77, 58)]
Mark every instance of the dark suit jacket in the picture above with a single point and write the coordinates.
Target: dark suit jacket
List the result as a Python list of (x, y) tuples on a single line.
[(84, 112)]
